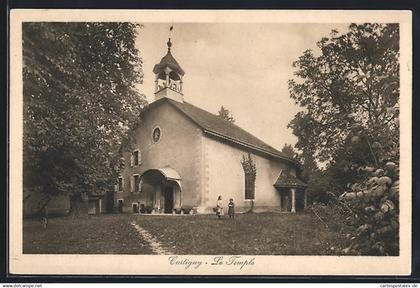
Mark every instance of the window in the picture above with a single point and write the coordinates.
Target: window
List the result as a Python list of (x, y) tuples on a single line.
[(249, 187), (120, 184), (156, 134), (135, 207), (136, 157), (120, 205), (250, 172), (136, 183)]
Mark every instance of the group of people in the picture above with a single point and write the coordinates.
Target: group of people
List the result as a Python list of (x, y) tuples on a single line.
[(219, 208)]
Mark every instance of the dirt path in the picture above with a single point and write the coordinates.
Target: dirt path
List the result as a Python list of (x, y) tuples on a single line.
[(155, 245)]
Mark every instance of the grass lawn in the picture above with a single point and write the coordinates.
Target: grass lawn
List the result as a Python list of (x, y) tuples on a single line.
[(247, 234), (105, 234)]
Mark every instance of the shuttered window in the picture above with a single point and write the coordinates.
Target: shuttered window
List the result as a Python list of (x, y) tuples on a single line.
[(120, 184), (136, 183), (249, 187), (136, 156)]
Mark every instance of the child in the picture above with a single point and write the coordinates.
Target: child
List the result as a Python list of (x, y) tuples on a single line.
[(231, 209)]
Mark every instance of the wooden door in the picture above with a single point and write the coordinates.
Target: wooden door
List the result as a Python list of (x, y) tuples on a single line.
[(169, 199), (120, 206)]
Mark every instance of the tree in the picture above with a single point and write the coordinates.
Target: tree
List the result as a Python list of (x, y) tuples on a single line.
[(352, 84), (350, 124), (289, 151), (79, 103), (225, 114)]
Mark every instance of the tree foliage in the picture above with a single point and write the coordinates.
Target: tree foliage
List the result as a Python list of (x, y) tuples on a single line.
[(350, 124), (79, 102), (289, 151), (353, 82), (374, 200), (225, 114)]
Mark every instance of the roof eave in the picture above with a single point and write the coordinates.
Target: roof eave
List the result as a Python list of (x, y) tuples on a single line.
[(239, 142), (232, 139), (290, 186)]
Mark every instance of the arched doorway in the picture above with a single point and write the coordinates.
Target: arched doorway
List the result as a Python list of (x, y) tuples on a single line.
[(161, 190)]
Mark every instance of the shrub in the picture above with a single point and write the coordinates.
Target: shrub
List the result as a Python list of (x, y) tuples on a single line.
[(375, 204), (186, 210)]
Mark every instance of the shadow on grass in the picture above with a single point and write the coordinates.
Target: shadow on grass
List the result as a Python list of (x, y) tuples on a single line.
[(104, 234), (247, 234)]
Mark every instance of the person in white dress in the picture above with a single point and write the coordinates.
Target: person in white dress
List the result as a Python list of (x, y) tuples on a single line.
[(219, 211)]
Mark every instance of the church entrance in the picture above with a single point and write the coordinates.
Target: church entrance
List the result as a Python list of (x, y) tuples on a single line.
[(169, 199), (161, 191), (286, 199)]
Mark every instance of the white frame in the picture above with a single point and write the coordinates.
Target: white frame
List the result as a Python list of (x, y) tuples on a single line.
[(122, 184), (122, 200), (134, 183), (160, 137), (132, 205), (138, 158)]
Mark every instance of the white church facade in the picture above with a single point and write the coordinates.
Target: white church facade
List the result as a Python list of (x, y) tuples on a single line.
[(183, 157)]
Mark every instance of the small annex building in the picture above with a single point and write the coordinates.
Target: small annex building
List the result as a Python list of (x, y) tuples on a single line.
[(183, 158)]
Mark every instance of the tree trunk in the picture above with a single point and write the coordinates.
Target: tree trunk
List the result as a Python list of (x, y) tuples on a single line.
[(75, 201)]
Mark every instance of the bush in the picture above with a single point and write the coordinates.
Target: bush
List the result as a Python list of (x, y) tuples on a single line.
[(375, 203), (186, 210)]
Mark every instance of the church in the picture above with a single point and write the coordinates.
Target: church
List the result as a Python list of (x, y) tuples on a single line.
[(182, 158)]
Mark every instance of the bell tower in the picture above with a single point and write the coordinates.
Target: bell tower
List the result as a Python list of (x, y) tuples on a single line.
[(168, 81)]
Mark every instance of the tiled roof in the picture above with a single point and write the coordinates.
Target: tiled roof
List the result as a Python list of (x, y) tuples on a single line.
[(213, 125), (287, 180), (168, 60)]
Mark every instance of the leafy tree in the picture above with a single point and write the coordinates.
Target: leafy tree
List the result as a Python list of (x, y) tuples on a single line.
[(79, 103), (350, 124), (354, 82), (319, 184), (224, 113), (289, 151)]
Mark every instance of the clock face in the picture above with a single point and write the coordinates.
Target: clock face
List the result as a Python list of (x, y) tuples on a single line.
[(156, 135)]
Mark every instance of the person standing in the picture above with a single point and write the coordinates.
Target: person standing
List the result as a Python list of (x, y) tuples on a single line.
[(219, 207), (231, 208)]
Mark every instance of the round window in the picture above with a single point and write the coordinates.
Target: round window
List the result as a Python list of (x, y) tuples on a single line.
[(156, 134)]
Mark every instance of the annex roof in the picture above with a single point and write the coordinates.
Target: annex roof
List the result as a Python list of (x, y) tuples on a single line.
[(287, 180), (214, 126), (168, 173)]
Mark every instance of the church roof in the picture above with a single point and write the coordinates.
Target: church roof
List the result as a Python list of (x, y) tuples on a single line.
[(287, 180), (214, 126), (168, 61)]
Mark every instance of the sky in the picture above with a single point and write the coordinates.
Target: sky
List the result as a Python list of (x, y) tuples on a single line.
[(244, 67)]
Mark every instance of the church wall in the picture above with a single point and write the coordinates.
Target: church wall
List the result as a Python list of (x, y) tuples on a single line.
[(179, 148), (225, 177)]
